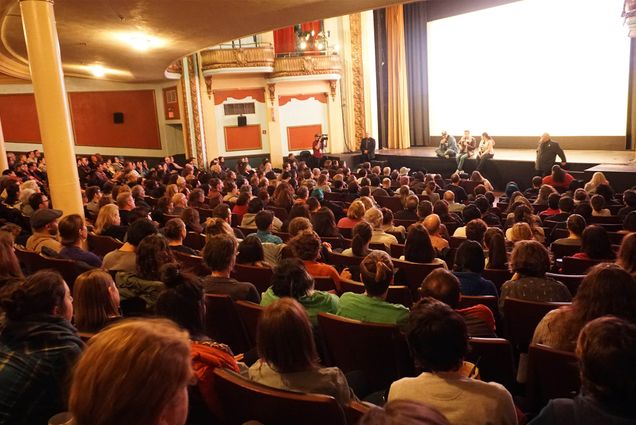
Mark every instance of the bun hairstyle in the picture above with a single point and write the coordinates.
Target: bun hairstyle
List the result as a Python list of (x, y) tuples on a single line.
[(362, 233), (183, 300), (39, 293), (291, 279), (376, 271)]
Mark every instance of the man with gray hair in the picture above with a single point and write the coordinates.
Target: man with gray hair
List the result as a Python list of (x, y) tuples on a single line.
[(453, 206), (433, 224)]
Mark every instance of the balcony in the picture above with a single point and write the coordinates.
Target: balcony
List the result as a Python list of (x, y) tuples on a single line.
[(307, 67), (249, 59)]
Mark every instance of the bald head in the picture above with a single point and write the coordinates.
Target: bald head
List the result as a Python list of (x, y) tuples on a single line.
[(449, 196), (443, 286), (432, 224)]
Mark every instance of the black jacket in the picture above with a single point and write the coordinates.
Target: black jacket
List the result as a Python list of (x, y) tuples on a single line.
[(546, 154), (368, 144)]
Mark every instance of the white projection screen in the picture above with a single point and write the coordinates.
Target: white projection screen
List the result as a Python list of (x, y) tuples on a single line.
[(531, 66)]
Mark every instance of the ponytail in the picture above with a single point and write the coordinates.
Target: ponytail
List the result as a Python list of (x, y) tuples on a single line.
[(376, 272)]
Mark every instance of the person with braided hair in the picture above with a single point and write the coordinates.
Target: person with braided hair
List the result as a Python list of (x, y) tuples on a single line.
[(376, 272)]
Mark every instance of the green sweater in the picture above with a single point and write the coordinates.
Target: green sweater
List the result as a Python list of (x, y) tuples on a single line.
[(371, 309), (317, 302)]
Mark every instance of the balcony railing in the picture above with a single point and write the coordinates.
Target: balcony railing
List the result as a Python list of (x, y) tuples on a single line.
[(293, 66), (225, 57)]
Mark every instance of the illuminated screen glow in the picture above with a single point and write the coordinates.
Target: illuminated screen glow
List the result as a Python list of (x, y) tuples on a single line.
[(531, 66)]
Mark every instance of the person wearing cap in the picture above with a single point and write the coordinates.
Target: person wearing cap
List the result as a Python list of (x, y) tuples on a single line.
[(44, 225), (447, 146)]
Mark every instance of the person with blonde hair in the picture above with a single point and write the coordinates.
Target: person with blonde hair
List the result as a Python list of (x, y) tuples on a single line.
[(108, 223), (95, 301), (519, 232), (111, 386), (374, 217), (597, 179), (355, 213)]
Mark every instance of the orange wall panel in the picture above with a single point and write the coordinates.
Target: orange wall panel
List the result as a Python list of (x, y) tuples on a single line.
[(92, 114), (19, 118), (244, 138), (301, 137)]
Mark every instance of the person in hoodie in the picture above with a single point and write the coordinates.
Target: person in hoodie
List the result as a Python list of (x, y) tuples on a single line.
[(38, 348)]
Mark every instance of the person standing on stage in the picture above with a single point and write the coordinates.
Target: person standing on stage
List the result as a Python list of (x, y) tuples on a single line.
[(486, 150), (367, 147), (447, 146), (467, 146), (547, 151)]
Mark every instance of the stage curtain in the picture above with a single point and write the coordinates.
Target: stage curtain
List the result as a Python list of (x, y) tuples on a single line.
[(415, 18), (630, 139), (379, 30), (312, 25), (285, 40), (398, 110)]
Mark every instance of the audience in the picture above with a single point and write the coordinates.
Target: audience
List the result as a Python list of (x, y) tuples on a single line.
[(376, 273), (250, 253), (45, 229), (438, 339), (73, 233), (355, 213), (529, 262), (575, 224), (495, 244), (595, 244), (468, 267), (403, 412), (95, 301), (627, 254), (419, 248), (112, 386), (306, 245), (292, 280), (38, 348), (374, 217), (264, 220), (606, 290), (125, 258), (175, 231), (288, 358), (219, 255)]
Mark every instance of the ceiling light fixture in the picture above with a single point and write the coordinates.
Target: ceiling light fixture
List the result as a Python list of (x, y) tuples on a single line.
[(140, 41), (97, 70)]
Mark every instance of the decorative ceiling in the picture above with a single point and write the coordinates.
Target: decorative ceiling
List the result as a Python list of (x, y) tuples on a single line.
[(93, 32)]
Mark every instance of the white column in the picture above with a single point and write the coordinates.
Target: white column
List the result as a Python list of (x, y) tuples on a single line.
[(43, 48), (4, 164)]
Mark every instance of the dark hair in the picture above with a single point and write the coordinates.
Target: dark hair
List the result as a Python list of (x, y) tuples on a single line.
[(91, 191), (387, 216), (69, 228), (35, 200), (219, 252), (243, 199), (529, 258), (424, 209), (183, 300), (495, 241), (376, 272), (418, 247), (324, 223), (305, 245), (284, 338), (558, 175), (629, 198), (443, 286), (480, 202), (629, 222), (255, 205), (152, 252), (138, 230), (470, 212), (566, 203), (191, 218), (596, 243), (291, 279), (476, 229), (469, 257), (362, 233), (553, 201), (576, 224), (264, 219), (606, 191), (437, 336), (39, 293), (627, 254), (173, 229), (606, 349), (250, 250), (222, 211)]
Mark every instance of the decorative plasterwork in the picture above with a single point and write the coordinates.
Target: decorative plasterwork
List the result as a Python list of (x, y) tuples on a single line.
[(307, 65), (332, 89), (358, 77), (186, 119), (271, 90), (238, 59)]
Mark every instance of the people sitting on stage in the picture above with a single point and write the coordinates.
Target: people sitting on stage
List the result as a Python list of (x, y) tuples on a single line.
[(486, 151), (447, 146), (467, 145)]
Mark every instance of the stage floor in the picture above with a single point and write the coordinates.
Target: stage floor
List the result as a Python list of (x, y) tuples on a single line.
[(575, 156)]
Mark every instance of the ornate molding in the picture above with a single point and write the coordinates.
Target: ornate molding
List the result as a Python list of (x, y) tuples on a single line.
[(186, 119), (226, 59), (358, 77), (193, 74), (332, 89), (271, 90), (208, 85), (307, 65)]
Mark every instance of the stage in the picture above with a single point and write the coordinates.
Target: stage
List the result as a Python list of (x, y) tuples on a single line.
[(518, 164)]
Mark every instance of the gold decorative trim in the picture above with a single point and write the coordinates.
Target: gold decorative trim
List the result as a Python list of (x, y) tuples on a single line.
[(355, 28), (193, 74), (332, 89), (186, 118), (237, 58), (307, 65), (208, 86)]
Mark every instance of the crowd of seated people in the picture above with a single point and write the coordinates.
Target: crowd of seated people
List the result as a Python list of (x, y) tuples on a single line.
[(291, 223)]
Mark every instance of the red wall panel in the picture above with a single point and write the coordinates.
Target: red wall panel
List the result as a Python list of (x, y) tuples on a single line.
[(301, 137), (19, 118), (92, 114), (244, 138)]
